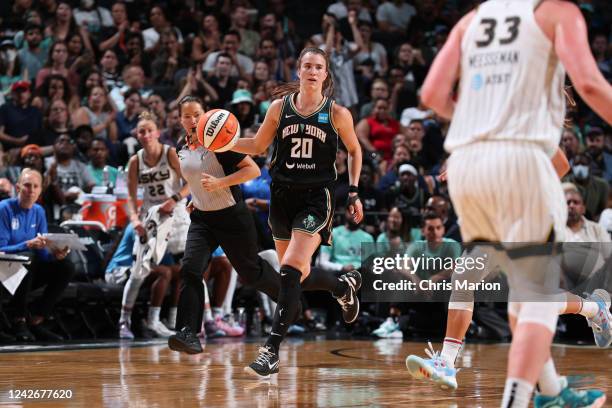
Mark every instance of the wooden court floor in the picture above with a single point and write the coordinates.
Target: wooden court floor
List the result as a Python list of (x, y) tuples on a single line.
[(325, 373)]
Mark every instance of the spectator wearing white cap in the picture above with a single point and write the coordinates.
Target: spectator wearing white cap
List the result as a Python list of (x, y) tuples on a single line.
[(407, 195)]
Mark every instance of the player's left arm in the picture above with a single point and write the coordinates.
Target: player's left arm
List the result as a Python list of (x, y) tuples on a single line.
[(343, 121), (560, 163), (437, 89)]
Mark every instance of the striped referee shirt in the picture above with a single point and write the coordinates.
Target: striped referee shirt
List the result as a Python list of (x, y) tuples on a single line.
[(198, 161)]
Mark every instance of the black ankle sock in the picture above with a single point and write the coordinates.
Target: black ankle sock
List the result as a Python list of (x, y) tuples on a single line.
[(288, 299)]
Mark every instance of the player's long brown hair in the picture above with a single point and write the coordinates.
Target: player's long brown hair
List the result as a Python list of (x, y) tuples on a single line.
[(292, 87)]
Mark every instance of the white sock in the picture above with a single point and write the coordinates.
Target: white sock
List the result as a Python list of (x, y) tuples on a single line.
[(548, 381), (450, 349), (172, 316), (217, 312), (517, 393), (126, 316), (208, 316), (589, 308), (153, 314)]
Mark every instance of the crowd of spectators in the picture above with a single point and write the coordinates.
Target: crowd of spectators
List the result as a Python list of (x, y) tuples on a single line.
[(74, 75)]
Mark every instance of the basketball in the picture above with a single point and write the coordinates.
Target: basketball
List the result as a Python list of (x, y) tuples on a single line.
[(218, 130)]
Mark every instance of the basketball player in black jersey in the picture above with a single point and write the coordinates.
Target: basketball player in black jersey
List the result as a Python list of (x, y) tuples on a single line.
[(304, 125)]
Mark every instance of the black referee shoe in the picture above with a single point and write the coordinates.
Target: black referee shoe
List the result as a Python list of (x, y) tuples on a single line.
[(185, 341), (265, 365), (350, 302)]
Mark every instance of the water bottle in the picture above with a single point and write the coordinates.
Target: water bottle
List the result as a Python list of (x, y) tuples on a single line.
[(121, 182), (106, 180), (256, 323)]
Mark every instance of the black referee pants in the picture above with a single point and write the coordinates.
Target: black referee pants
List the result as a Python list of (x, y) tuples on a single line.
[(234, 230)]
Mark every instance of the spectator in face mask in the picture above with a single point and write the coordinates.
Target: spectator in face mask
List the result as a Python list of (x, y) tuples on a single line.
[(601, 166), (593, 189)]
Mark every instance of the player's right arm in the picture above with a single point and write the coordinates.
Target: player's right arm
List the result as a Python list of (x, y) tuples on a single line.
[(572, 47), (265, 134), (437, 89)]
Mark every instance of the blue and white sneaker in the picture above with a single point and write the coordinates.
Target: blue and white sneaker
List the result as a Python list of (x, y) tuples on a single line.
[(435, 368), (389, 329), (601, 323), (571, 398)]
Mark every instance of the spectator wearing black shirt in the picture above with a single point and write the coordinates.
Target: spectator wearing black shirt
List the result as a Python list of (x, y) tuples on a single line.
[(408, 196), (221, 80), (601, 165), (19, 120)]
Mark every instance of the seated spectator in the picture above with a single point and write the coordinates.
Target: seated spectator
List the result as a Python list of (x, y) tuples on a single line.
[(249, 38), (156, 104), (7, 168), (411, 114), (242, 66), (173, 130), (161, 276), (345, 252), (135, 54), (83, 136), (6, 189), (133, 78), (169, 62), (57, 65), (93, 17), (55, 87), (91, 78), (340, 10), (579, 229), (408, 196), (100, 171), (378, 90), (395, 236), (372, 50), (159, 23), (601, 165), (19, 120), (57, 123), (377, 130), (67, 177), (570, 144), (605, 220), (22, 222), (244, 108), (221, 80), (31, 156), (341, 53), (127, 119), (98, 114), (33, 56), (113, 37), (207, 40), (109, 68), (594, 190), (394, 17), (440, 206), (389, 170), (10, 67)]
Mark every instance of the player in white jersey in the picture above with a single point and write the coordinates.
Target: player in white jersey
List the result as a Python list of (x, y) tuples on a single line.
[(509, 56), (155, 168)]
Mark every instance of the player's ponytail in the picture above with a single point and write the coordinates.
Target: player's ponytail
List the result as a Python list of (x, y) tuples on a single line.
[(294, 86)]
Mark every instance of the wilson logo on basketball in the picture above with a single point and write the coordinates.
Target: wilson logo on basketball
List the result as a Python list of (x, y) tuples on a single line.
[(210, 129), (218, 130)]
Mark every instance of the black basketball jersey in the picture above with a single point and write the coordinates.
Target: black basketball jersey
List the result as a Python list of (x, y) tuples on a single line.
[(305, 146)]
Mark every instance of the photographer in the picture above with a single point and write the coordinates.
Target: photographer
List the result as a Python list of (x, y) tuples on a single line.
[(22, 222)]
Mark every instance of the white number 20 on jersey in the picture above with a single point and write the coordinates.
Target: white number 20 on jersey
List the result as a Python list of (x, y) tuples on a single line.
[(302, 148)]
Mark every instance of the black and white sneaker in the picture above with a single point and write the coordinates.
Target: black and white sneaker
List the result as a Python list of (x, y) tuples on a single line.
[(350, 302), (265, 365), (185, 341)]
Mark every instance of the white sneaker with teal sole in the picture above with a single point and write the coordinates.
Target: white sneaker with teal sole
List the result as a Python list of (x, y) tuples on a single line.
[(601, 323), (435, 368), (386, 328)]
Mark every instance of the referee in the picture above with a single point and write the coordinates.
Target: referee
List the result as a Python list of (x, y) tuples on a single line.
[(219, 216)]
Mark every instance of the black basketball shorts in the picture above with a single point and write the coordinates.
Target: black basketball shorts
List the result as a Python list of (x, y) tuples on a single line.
[(305, 209)]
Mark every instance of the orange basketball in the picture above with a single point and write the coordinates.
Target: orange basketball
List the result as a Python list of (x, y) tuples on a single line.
[(218, 130)]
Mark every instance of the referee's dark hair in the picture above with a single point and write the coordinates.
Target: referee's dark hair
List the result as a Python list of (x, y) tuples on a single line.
[(189, 98)]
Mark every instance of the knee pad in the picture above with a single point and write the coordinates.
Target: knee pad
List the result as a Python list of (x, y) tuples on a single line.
[(543, 313)]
